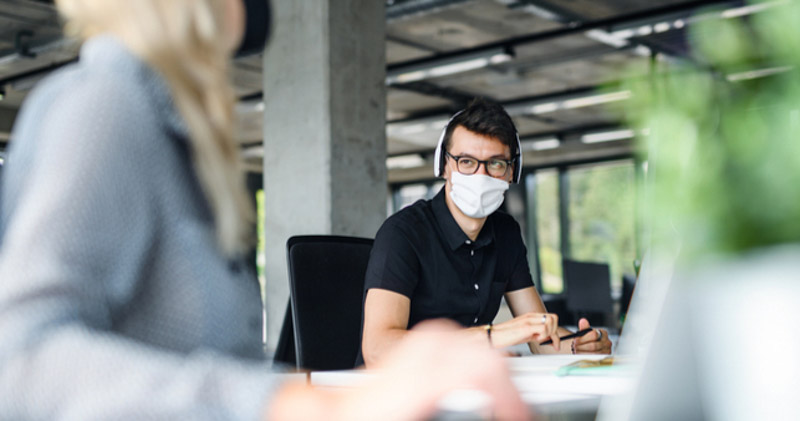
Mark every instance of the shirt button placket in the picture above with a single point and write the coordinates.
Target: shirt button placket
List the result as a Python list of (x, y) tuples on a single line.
[(475, 285)]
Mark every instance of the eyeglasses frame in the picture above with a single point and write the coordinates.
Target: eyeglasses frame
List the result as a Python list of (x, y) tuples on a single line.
[(509, 163)]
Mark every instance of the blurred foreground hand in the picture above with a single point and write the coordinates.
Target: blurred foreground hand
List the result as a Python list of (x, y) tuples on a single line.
[(431, 361)]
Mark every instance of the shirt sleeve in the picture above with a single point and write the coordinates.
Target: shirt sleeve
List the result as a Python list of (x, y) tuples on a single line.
[(73, 247), (520, 272), (393, 262)]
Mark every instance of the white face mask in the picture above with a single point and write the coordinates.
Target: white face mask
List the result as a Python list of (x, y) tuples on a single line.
[(477, 195)]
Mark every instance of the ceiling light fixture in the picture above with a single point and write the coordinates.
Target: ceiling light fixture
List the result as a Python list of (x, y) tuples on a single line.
[(407, 130), (607, 38), (662, 27), (568, 102), (405, 161), (737, 12), (589, 101), (448, 66), (253, 152), (642, 51), (623, 33), (547, 107), (755, 74), (607, 136), (541, 144), (619, 37), (249, 107)]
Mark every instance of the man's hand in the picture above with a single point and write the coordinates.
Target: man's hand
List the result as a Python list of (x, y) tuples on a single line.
[(594, 342), (529, 327)]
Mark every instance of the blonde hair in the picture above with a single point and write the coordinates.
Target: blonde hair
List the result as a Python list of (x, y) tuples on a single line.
[(184, 40)]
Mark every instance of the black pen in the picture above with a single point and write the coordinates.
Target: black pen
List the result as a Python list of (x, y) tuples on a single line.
[(570, 336)]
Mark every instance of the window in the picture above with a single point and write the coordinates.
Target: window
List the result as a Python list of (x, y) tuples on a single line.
[(602, 216), (545, 202)]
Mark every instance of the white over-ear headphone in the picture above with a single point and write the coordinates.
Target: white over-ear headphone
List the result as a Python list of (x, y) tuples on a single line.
[(439, 156)]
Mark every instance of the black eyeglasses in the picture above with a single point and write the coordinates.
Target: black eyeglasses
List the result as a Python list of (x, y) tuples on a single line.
[(496, 167)]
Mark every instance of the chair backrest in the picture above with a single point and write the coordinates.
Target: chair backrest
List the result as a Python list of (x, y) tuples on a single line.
[(326, 278), (285, 354), (588, 287)]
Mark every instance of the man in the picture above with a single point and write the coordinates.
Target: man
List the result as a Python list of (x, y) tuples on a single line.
[(455, 256)]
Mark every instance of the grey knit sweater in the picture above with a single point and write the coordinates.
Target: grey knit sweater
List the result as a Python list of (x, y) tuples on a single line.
[(115, 302)]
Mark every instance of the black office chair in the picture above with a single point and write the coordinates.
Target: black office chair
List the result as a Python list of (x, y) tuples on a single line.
[(588, 290), (557, 304), (628, 284), (285, 354), (326, 279)]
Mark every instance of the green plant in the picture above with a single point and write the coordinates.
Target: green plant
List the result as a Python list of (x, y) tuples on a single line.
[(724, 144)]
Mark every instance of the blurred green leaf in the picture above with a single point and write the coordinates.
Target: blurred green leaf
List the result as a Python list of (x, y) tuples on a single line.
[(724, 150)]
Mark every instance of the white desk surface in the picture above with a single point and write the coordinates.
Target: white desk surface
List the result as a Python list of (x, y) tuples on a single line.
[(534, 376)]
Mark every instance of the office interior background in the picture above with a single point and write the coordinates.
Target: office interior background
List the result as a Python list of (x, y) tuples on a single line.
[(556, 66)]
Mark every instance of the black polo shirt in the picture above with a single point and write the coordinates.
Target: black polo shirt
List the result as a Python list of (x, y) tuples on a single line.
[(422, 253)]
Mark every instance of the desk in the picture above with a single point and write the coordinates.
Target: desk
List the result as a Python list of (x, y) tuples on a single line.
[(552, 397)]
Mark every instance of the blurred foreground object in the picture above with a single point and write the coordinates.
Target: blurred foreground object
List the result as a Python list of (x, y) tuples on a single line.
[(723, 169), (723, 140), (725, 348), (435, 370)]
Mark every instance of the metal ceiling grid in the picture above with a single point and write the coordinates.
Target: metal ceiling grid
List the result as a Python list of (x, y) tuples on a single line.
[(561, 49)]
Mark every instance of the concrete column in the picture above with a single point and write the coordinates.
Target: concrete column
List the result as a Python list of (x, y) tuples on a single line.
[(324, 130)]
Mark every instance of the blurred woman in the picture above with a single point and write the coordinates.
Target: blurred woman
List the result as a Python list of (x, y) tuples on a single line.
[(123, 224)]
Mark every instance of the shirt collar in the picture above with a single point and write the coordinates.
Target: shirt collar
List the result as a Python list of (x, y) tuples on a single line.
[(453, 234)]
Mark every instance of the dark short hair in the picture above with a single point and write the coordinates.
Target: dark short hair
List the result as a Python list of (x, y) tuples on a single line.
[(486, 118)]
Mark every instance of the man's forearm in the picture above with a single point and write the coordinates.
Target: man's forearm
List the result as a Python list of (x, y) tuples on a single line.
[(372, 349), (376, 344)]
